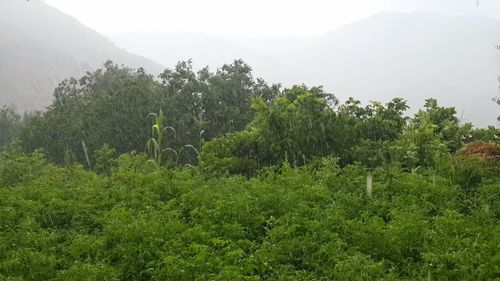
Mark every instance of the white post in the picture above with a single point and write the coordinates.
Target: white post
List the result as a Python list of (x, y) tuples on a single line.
[(86, 152), (369, 183)]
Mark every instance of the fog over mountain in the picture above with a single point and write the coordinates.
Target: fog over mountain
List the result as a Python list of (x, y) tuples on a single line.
[(40, 46), (411, 55), (205, 50), (415, 56)]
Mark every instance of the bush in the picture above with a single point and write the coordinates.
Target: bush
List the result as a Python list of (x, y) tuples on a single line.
[(287, 223), (105, 160)]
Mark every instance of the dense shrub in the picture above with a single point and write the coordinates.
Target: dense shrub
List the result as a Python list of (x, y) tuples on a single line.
[(309, 223)]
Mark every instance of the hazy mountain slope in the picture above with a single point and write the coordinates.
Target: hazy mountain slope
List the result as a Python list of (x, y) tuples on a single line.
[(416, 56), (205, 50), (40, 46), (275, 46), (410, 55), (30, 69)]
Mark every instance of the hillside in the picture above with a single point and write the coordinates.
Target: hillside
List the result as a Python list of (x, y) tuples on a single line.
[(410, 55), (25, 74), (40, 46), (416, 56), (168, 48)]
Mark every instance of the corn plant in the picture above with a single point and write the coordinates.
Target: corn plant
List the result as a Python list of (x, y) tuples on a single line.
[(178, 153), (157, 138), (154, 144)]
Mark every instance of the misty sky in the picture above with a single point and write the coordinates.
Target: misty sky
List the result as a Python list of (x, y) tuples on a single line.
[(250, 17)]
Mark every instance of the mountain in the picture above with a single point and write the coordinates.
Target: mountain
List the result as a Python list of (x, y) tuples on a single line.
[(169, 48), (410, 55), (30, 69), (40, 46)]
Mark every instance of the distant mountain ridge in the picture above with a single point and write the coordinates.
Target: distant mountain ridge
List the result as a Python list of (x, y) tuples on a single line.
[(169, 48), (391, 54), (413, 55), (40, 46)]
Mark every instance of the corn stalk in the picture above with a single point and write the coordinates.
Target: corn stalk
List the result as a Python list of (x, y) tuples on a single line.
[(154, 144)]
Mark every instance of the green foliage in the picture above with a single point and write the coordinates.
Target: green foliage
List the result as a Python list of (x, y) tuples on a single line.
[(154, 144), (105, 160), (293, 128), (304, 123), (432, 136), (205, 105), (9, 123), (419, 146), (279, 192), (446, 124), (308, 223), (111, 106), (17, 168), (489, 134), (136, 163), (229, 155)]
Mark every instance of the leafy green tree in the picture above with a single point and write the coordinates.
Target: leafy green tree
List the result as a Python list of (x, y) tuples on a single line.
[(295, 127), (109, 106), (9, 124), (447, 125), (204, 105), (419, 146), (303, 123), (374, 126), (227, 98), (183, 106), (489, 134)]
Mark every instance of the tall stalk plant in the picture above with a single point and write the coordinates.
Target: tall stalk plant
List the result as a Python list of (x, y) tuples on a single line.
[(155, 142)]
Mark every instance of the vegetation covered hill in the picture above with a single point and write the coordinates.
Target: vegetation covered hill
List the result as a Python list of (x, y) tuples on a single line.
[(41, 46), (221, 176)]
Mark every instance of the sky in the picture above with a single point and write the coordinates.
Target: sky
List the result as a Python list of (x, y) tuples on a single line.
[(250, 18)]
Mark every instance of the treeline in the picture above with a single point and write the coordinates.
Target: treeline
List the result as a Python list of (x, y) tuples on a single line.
[(238, 123), (111, 106)]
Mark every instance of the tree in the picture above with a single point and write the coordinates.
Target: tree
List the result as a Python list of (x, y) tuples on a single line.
[(204, 105), (108, 106), (111, 106), (227, 98), (295, 127), (9, 124)]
